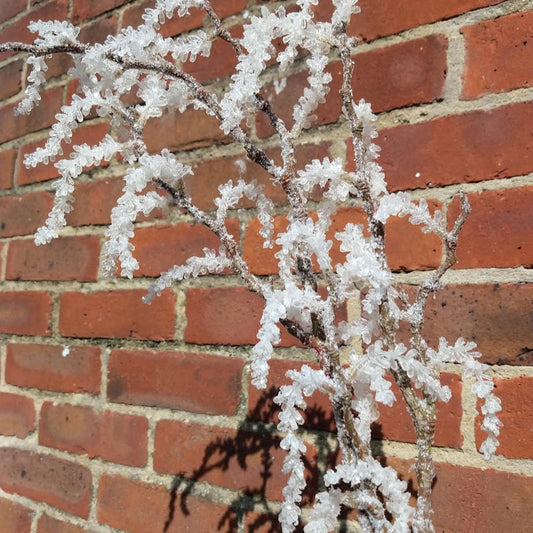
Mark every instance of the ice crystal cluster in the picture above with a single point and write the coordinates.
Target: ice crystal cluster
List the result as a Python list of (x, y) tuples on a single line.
[(310, 286)]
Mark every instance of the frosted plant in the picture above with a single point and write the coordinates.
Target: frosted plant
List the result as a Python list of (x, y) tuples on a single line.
[(142, 62)]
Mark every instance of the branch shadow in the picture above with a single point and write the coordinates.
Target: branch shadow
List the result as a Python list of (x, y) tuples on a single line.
[(249, 461)]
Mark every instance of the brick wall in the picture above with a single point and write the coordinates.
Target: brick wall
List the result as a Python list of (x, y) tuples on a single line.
[(150, 423)]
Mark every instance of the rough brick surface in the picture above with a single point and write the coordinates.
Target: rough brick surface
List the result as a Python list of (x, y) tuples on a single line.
[(25, 313), (44, 367), (86, 9), (22, 215), (17, 415), (79, 429), (506, 243), (47, 524), (7, 167), (158, 248), (140, 507), (499, 55), (225, 315), (45, 478), (236, 459), (516, 436), (65, 258), (193, 382), (470, 147), (495, 316), (15, 517), (10, 79), (117, 314), (11, 9)]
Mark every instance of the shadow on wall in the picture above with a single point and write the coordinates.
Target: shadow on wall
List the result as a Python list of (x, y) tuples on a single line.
[(250, 461)]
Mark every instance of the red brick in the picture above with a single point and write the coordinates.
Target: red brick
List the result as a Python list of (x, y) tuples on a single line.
[(12, 8), (86, 9), (45, 478), (43, 367), (497, 233), (265, 523), (18, 31), (79, 429), (221, 61), (140, 507), (47, 524), (117, 314), (283, 103), (408, 248), (236, 459), (91, 134), (210, 174), (65, 258), (516, 435), (11, 79), (471, 500), (15, 517), (474, 146), (98, 30), (404, 74), (25, 313), (499, 55), (158, 248), (94, 200), (195, 382), (261, 406), (22, 215), (225, 315), (378, 19), (7, 166), (495, 316), (41, 117), (177, 25), (262, 261), (183, 131), (17, 415), (395, 423)]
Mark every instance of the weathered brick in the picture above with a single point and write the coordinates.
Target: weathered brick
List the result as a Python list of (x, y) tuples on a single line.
[(46, 478), (65, 258), (409, 73), (43, 367), (158, 248), (22, 215), (497, 233), (210, 174), (227, 457), (97, 31), (41, 117), (516, 435), (18, 30), (171, 27), (25, 313), (115, 437), (139, 507), (117, 313), (225, 315), (7, 168), (182, 131), (15, 517), (473, 146), (387, 17), (495, 316), (11, 9), (499, 55), (94, 200), (86, 9), (91, 134), (17, 415), (195, 382), (47, 524), (11, 79)]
